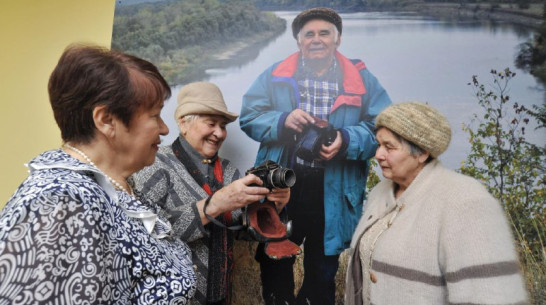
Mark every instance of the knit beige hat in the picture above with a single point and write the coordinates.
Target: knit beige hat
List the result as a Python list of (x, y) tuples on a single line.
[(202, 98), (418, 123)]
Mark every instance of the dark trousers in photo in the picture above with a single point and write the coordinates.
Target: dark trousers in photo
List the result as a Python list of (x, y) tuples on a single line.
[(306, 210)]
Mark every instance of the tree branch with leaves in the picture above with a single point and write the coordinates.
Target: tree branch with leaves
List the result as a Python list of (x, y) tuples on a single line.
[(512, 169)]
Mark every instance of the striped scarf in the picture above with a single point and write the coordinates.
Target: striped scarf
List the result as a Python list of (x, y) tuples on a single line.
[(220, 240)]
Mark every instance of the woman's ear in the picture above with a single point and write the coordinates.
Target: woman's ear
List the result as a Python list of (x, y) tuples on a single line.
[(422, 158), (182, 126), (104, 121)]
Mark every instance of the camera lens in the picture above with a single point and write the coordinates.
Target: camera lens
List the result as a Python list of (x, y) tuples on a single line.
[(281, 178)]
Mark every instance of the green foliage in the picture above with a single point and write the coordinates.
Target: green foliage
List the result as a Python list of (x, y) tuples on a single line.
[(342, 5), (181, 36), (532, 54), (539, 112), (513, 170), (524, 4), (373, 177)]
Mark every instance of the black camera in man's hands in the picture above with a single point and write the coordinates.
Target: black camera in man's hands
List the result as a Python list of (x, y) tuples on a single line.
[(273, 175), (309, 143)]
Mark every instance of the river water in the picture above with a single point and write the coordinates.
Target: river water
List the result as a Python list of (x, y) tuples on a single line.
[(415, 59)]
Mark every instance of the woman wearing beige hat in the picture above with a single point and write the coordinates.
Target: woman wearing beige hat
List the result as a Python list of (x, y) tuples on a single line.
[(188, 177), (429, 235)]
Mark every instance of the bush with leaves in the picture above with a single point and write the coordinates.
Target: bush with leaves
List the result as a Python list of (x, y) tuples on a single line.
[(512, 169), (532, 53)]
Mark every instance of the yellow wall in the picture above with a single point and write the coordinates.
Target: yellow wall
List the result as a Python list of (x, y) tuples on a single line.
[(33, 34)]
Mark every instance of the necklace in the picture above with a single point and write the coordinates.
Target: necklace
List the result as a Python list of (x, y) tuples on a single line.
[(114, 182)]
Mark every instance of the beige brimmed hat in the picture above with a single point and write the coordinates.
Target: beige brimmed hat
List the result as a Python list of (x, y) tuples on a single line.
[(418, 123), (202, 98)]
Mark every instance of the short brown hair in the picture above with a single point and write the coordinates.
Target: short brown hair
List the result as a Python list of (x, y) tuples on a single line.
[(89, 76)]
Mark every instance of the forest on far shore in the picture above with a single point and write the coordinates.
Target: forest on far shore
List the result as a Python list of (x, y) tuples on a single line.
[(182, 37)]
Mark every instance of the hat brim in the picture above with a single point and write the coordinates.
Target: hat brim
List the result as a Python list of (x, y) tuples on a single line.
[(198, 108)]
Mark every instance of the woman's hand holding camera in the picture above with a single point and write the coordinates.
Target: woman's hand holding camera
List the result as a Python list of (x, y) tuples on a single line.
[(238, 194), (280, 197)]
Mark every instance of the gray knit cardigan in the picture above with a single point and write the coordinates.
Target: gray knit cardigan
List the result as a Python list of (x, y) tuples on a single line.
[(450, 244), (168, 183)]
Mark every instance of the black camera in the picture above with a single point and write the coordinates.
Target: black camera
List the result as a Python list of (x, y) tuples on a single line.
[(309, 143), (261, 220), (273, 175)]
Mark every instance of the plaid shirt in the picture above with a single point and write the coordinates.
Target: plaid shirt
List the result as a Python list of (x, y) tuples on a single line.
[(317, 95)]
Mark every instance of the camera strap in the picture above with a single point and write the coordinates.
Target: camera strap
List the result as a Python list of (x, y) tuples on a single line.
[(215, 221), (220, 240), (209, 186)]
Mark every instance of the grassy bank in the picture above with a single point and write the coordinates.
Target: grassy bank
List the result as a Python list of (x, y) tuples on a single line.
[(183, 37), (190, 63), (246, 278)]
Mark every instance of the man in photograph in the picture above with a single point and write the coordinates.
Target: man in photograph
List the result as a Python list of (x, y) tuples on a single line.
[(314, 112)]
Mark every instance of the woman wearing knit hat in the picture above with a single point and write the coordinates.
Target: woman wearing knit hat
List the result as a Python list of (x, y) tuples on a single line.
[(429, 235), (193, 184)]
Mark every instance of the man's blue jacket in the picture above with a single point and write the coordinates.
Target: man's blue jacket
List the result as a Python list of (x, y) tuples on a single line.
[(274, 94)]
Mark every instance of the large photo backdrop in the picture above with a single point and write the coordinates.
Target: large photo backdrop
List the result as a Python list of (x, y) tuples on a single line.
[(415, 57), (434, 53)]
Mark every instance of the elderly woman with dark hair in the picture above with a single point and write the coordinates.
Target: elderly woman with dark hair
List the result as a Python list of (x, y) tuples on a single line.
[(75, 231), (194, 184), (429, 235)]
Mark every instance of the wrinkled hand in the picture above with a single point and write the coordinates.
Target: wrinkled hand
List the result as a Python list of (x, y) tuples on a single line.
[(328, 152), (280, 197), (237, 195), (298, 119)]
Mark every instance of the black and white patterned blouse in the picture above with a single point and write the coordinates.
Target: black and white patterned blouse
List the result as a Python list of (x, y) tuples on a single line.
[(68, 237)]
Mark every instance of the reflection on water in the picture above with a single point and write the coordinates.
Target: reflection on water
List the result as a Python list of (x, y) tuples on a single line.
[(415, 58)]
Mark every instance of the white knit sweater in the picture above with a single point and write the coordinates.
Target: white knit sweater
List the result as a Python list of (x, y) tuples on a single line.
[(450, 244)]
